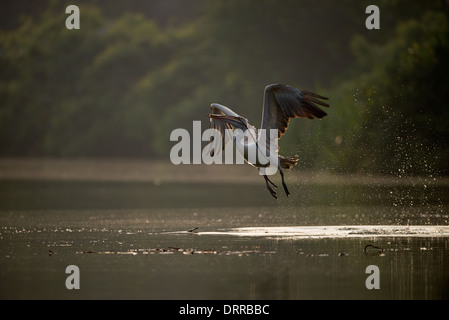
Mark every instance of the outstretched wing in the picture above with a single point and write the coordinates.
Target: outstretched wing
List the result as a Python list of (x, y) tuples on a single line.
[(221, 126), (282, 102)]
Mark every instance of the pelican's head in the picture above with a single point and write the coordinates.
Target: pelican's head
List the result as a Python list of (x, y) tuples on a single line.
[(235, 121)]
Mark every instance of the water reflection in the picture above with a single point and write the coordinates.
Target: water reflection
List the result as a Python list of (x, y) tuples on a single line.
[(131, 239), (137, 261)]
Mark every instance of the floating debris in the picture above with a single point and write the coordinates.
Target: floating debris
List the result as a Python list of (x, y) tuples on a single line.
[(50, 253), (380, 250), (185, 251), (193, 230), (109, 252)]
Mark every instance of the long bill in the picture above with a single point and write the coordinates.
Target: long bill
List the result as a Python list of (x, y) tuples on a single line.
[(233, 121)]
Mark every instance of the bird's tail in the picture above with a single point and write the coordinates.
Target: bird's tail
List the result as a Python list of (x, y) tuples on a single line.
[(288, 163)]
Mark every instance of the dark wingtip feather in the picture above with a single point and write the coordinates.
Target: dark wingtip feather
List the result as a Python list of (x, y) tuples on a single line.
[(313, 110), (321, 103), (314, 95)]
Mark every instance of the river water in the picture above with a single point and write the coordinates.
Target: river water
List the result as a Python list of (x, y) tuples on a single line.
[(138, 230)]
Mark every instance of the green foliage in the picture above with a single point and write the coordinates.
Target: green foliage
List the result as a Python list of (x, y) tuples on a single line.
[(124, 81), (66, 92), (396, 101)]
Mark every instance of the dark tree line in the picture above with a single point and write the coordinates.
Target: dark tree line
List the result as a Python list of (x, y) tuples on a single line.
[(133, 73)]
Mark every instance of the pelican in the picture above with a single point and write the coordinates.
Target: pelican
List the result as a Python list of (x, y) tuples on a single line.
[(281, 102)]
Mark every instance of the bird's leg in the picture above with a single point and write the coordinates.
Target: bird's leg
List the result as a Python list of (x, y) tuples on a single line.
[(283, 182), (268, 181)]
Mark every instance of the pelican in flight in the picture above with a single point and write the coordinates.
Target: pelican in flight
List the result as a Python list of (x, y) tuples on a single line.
[(281, 102)]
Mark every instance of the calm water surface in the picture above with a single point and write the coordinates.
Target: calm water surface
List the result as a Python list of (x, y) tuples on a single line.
[(130, 240)]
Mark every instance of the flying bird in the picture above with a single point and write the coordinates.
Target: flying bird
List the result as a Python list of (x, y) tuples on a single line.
[(281, 102)]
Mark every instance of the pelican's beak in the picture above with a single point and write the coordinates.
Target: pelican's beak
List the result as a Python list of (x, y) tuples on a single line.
[(231, 120), (235, 121), (221, 116)]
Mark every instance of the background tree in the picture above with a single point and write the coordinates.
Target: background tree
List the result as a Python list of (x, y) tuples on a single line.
[(133, 73)]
